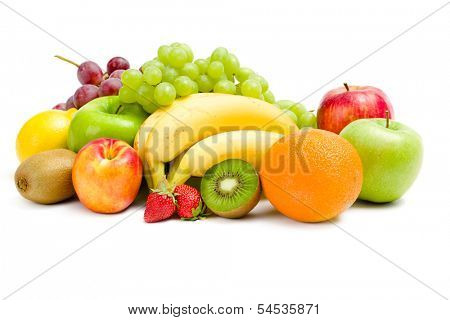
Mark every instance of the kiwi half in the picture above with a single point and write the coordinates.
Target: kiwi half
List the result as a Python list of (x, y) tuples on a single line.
[(231, 188)]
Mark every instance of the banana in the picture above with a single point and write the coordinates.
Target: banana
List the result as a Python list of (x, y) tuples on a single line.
[(248, 145), (199, 116), (141, 137)]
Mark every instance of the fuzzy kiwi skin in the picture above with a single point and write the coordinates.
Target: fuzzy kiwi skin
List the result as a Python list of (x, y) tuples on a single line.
[(46, 177), (244, 210)]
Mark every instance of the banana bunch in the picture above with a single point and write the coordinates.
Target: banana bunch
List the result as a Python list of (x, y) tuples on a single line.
[(190, 134), (248, 145)]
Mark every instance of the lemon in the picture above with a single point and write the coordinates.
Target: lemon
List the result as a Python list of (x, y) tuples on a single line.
[(45, 131)]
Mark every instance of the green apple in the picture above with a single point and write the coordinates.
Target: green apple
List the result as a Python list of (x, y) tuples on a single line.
[(105, 117), (391, 154)]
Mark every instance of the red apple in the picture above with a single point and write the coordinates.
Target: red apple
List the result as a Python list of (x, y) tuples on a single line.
[(343, 105), (106, 175)]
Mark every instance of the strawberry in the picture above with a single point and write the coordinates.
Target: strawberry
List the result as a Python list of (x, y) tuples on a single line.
[(161, 205), (189, 203)]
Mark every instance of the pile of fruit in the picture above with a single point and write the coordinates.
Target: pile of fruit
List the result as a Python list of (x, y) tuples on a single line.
[(209, 137)]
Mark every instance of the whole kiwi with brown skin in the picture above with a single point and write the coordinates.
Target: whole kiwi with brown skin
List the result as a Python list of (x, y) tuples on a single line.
[(46, 177)]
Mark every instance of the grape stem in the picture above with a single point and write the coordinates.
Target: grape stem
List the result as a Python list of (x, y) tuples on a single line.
[(67, 60), (387, 118), (346, 86)]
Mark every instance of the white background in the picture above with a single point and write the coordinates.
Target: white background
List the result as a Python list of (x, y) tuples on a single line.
[(265, 258)]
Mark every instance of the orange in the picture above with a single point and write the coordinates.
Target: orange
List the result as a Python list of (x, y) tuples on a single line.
[(312, 175)]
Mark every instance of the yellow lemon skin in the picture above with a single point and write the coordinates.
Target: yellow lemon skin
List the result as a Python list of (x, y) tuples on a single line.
[(45, 131)]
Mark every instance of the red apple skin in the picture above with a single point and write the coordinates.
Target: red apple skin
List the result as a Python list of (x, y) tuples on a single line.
[(106, 175), (339, 107)]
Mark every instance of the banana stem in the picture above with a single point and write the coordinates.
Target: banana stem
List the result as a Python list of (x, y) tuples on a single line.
[(148, 177), (156, 172), (176, 178)]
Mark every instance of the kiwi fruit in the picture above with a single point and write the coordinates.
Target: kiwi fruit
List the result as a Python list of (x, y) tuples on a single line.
[(231, 188), (46, 177)]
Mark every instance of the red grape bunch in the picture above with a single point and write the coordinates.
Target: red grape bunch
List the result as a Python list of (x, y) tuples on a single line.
[(94, 82)]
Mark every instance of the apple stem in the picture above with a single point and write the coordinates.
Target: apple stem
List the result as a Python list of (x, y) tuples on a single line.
[(346, 86), (119, 109), (67, 60), (387, 118)]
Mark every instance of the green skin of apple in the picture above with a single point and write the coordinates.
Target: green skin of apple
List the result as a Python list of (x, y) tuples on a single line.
[(105, 117), (391, 157)]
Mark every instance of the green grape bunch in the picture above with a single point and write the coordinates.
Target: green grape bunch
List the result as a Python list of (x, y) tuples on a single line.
[(174, 73)]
